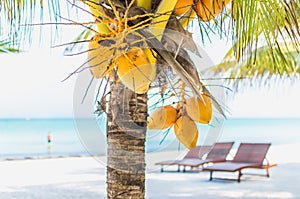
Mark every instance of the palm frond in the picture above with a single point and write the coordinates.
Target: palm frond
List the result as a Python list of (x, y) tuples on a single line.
[(265, 37), (6, 47), (283, 62), (268, 22), (15, 15)]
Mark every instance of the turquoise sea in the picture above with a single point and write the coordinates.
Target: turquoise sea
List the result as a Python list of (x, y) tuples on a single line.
[(20, 138)]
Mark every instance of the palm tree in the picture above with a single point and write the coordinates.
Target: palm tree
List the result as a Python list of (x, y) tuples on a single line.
[(130, 183), (260, 30)]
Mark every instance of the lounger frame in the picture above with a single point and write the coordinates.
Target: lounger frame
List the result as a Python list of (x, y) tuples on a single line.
[(197, 153), (216, 153)]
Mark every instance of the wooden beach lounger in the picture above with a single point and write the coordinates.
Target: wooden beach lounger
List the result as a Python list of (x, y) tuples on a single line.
[(193, 158), (248, 155), (195, 153), (218, 153)]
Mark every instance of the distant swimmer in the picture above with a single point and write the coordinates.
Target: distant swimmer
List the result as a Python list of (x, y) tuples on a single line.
[(49, 137)]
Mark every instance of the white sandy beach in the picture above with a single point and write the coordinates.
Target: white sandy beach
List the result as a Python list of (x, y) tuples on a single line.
[(84, 177)]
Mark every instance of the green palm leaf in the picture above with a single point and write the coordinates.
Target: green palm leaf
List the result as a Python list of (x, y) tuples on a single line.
[(6, 47), (284, 62), (268, 22), (265, 37), (16, 14)]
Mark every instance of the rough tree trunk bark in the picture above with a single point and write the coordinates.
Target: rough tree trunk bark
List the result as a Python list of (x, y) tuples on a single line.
[(127, 123)]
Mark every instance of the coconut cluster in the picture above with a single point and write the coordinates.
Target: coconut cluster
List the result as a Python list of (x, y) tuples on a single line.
[(183, 118)]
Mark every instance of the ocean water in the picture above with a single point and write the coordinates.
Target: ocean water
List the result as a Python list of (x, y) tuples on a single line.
[(20, 138), (28, 138)]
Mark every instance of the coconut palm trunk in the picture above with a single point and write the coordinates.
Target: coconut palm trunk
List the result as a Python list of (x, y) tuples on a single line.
[(127, 123)]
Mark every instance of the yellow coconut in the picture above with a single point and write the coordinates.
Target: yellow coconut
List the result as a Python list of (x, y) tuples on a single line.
[(163, 117), (186, 131), (135, 70), (99, 58), (199, 111), (209, 9), (182, 6)]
